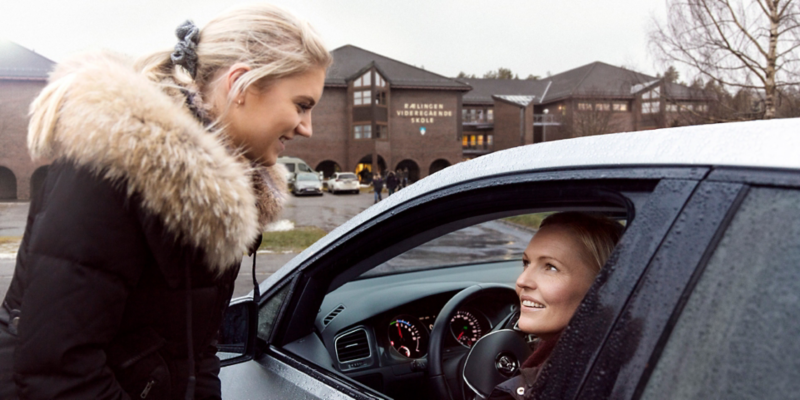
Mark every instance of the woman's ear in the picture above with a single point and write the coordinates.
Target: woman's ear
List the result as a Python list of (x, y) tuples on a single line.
[(233, 74)]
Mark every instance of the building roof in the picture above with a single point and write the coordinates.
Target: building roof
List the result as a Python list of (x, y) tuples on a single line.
[(349, 62), (597, 79), (484, 89), (17, 62)]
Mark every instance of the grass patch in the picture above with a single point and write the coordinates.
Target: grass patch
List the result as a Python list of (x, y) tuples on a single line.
[(295, 240), (10, 239), (528, 220)]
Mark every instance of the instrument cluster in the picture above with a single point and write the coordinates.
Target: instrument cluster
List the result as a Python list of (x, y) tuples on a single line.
[(408, 335)]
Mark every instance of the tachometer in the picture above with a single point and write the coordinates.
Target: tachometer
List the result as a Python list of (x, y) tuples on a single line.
[(466, 328), (408, 336)]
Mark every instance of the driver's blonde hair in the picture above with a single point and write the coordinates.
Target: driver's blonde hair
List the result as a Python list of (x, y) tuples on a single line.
[(273, 42), (597, 235)]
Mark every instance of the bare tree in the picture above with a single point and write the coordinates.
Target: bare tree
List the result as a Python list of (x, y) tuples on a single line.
[(751, 45)]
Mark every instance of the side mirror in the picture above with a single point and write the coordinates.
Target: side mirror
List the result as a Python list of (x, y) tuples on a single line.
[(237, 336)]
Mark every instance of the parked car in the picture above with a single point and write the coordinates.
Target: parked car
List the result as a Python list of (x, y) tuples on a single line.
[(343, 182), (306, 183), (699, 299)]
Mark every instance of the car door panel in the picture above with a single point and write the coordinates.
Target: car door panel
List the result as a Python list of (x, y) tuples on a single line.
[(590, 326), (626, 352), (736, 334)]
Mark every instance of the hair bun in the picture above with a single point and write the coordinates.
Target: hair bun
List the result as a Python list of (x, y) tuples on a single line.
[(185, 53)]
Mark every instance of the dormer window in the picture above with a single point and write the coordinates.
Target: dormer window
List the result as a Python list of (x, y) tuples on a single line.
[(379, 82), (364, 80)]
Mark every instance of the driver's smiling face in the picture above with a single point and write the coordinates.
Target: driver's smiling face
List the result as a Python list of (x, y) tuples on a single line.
[(555, 277)]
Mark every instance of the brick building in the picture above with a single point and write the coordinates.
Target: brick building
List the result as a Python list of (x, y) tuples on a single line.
[(594, 99), (379, 113), (23, 73)]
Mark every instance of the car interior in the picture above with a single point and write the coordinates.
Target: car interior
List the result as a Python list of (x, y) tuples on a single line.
[(369, 309)]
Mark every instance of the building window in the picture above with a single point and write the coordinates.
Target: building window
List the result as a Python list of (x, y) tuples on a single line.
[(362, 131), (650, 107), (489, 140), (620, 106), (363, 80), (584, 106), (672, 108), (490, 115), (362, 97), (380, 98), (602, 107), (464, 141), (379, 82)]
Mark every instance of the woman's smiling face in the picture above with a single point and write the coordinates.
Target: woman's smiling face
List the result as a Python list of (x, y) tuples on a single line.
[(261, 120), (555, 278)]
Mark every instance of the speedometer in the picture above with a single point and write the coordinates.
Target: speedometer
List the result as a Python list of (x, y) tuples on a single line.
[(465, 328), (408, 336)]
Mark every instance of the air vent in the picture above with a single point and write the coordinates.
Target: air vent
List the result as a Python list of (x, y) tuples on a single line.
[(352, 346), (332, 315)]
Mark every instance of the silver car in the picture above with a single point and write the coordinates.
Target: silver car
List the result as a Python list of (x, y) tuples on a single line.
[(698, 300), (306, 183)]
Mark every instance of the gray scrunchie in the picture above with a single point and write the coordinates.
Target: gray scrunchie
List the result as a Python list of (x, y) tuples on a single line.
[(185, 53)]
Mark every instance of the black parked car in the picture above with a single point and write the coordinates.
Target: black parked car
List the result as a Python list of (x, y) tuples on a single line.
[(700, 299)]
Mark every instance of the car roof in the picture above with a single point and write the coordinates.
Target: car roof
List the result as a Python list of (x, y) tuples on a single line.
[(759, 144)]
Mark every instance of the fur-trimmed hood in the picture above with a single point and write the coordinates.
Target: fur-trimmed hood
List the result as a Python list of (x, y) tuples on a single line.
[(97, 112)]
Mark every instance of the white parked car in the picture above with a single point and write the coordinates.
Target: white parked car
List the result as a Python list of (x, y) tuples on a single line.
[(343, 182), (306, 183)]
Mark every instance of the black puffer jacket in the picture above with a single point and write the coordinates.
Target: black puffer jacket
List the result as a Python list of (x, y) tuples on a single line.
[(143, 216)]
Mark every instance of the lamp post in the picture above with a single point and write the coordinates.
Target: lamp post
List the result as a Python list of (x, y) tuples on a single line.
[(544, 125)]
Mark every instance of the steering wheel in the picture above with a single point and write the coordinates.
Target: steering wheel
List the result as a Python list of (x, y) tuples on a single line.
[(493, 359)]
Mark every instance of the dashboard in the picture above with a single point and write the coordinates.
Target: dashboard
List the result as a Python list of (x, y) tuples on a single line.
[(377, 330)]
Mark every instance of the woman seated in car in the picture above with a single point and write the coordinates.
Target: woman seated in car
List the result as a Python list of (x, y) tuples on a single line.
[(559, 266)]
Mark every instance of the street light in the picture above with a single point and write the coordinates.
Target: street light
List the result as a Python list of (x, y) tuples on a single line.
[(544, 125)]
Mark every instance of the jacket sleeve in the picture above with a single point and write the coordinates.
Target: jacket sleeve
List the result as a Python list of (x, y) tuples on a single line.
[(84, 257)]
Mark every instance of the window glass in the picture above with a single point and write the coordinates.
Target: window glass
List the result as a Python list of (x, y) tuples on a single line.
[(738, 333), (603, 107), (357, 98), (489, 139), (367, 131), (584, 106), (304, 168), (358, 82), (620, 106), (367, 95), (358, 131), (464, 141), (490, 115), (672, 108), (289, 167), (367, 78)]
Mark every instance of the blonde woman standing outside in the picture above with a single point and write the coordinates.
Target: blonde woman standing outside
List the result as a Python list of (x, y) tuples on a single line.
[(161, 181)]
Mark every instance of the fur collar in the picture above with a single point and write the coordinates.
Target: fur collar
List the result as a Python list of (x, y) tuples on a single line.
[(109, 118)]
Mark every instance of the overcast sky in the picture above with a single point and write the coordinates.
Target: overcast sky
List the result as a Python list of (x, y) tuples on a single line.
[(443, 36)]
